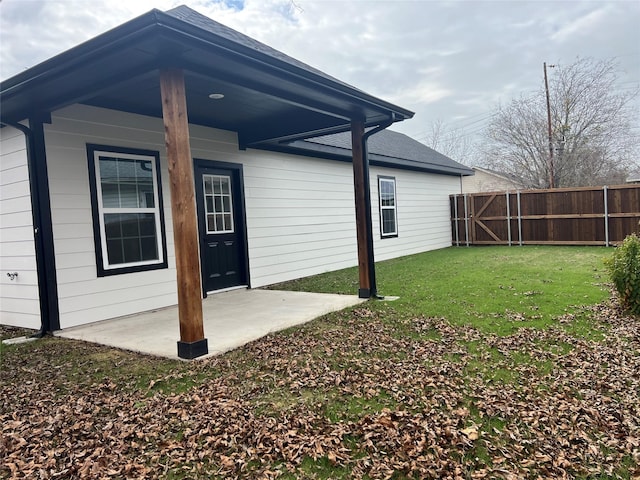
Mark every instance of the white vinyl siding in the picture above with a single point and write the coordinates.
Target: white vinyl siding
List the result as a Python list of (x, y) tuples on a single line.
[(83, 296), (300, 216), (300, 212), (423, 212), (19, 300)]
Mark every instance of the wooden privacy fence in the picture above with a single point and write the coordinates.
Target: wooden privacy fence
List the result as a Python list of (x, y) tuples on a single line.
[(563, 216)]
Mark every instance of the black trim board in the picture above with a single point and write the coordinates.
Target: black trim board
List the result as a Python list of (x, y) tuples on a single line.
[(95, 214), (35, 147), (43, 228)]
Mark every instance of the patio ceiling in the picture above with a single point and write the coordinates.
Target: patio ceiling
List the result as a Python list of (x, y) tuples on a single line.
[(268, 97)]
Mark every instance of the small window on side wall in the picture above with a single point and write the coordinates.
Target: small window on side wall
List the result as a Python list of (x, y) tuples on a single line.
[(126, 201), (388, 207)]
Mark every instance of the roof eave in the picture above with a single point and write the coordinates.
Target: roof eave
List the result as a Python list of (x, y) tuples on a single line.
[(341, 154)]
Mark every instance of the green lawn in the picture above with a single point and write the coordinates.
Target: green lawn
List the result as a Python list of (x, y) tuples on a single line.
[(502, 363), (494, 289)]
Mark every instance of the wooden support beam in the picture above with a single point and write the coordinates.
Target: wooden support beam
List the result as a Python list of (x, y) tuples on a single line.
[(359, 179), (192, 343)]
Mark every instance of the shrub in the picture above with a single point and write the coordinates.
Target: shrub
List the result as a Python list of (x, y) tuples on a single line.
[(624, 269)]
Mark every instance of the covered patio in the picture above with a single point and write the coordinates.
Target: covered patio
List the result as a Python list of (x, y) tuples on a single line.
[(231, 319), (187, 70)]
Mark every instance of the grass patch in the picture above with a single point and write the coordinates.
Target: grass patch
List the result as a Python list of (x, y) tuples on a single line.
[(496, 289), (352, 408), (321, 469)]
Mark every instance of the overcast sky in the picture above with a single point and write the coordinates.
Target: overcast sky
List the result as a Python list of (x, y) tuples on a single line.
[(451, 61)]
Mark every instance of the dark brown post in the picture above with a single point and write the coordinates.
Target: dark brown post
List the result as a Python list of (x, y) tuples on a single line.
[(192, 343), (357, 136)]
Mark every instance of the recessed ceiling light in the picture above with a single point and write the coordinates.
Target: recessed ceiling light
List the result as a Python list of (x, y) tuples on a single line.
[(216, 96)]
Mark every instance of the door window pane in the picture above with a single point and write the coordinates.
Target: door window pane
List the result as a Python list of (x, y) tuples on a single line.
[(218, 204)]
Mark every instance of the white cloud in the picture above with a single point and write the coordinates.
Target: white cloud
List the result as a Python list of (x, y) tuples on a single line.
[(582, 26), (424, 93), (442, 59)]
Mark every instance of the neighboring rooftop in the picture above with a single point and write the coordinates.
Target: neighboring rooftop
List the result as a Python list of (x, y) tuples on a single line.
[(633, 177), (506, 176)]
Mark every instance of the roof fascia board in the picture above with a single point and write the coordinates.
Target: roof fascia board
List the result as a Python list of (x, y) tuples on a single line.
[(383, 161), (90, 91)]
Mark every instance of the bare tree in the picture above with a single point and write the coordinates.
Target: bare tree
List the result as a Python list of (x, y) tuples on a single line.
[(592, 132), (452, 142)]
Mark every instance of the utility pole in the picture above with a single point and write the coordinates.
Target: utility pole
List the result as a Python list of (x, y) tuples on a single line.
[(550, 164)]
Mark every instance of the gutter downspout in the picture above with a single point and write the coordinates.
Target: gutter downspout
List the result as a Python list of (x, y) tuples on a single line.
[(367, 192), (41, 216)]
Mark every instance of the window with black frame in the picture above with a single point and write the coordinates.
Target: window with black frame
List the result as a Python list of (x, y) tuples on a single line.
[(127, 206), (388, 206)]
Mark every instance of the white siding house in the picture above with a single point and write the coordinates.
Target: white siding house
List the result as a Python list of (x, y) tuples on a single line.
[(300, 216), (485, 180), (18, 294), (272, 173)]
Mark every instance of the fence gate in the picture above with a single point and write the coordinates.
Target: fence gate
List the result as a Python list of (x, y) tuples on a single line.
[(485, 218)]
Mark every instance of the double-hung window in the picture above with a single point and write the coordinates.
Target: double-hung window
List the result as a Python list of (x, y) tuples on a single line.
[(127, 209), (388, 206)]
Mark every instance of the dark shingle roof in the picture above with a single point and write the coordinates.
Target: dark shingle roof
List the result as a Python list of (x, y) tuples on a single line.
[(203, 22), (386, 148)]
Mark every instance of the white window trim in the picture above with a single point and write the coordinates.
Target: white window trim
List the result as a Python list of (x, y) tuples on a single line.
[(391, 180), (102, 211)]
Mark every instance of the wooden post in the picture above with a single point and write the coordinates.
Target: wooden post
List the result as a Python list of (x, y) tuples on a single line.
[(357, 136), (192, 343)]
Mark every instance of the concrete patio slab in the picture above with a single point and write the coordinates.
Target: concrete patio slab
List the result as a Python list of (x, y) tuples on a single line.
[(231, 319)]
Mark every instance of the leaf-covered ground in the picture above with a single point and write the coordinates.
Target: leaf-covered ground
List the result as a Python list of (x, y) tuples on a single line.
[(359, 394)]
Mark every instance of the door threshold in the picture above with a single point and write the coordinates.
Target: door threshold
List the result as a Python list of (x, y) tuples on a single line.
[(228, 289)]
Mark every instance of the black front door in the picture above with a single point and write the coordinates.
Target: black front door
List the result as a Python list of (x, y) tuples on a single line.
[(221, 223)]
